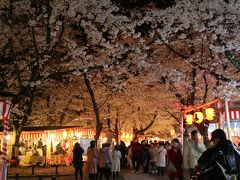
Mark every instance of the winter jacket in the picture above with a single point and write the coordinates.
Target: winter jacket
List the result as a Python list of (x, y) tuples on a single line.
[(116, 156), (161, 156), (221, 158), (77, 157), (192, 150), (104, 157)]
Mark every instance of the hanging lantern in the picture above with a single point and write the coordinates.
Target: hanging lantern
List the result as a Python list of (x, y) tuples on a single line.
[(210, 114), (198, 116), (189, 119), (172, 132)]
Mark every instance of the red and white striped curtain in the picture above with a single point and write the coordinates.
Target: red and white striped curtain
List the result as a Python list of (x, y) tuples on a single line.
[(233, 114), (5, 108)]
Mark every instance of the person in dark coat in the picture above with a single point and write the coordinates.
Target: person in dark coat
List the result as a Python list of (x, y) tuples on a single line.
[(146, 158), (78, 159), (123, 150), (136, 155), (221, 161)]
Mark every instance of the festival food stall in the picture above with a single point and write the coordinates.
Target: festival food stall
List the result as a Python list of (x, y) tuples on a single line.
[(56, 144), (234, 116), (54, 140)]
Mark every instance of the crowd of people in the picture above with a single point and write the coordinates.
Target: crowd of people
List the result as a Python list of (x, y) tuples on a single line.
[(101, 163), (220, 161)]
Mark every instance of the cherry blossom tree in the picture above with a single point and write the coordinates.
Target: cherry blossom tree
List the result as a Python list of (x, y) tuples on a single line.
[(152, 54)]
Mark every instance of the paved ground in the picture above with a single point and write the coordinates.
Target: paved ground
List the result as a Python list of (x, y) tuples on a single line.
[(66, 173)]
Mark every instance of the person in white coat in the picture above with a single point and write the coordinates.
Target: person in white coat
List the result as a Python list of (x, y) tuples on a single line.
[(192, 150), (161, 153), (105, 161), (116, 159), (92, 161), (152, 152)]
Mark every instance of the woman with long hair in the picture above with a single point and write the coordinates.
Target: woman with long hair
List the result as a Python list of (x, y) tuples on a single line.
[(78, 159)]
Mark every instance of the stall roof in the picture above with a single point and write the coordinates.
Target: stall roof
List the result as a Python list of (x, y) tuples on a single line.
[(43, 128)]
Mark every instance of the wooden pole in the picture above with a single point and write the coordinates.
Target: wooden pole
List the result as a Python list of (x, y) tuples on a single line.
[(182, 128), (228, 119)]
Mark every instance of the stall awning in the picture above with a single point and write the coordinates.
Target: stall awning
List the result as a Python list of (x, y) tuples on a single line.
[(233, 114)]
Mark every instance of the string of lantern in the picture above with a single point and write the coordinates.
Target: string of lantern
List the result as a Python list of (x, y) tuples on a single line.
[(193, 114)]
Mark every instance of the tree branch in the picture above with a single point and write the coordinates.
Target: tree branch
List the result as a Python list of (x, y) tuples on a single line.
[(171, 114), (8, 94), (213, 73), (106, 100), (206, 88), (194, 84), (184, 56), (148, 126), (95, 106), (57, 75), (65, 109), (60, 36), (49, 13), (10, 42), (229, 54)]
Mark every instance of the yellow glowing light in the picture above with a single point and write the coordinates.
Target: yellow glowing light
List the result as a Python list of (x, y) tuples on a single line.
[(78, 134), (64, 134), (189, 119), (123, 135), (71, 133), (198, 116), (172, 132), (210, 114), (8, 137), (131, 136), (104, 139)]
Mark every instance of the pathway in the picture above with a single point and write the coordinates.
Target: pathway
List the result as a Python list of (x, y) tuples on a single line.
[(66, 173)]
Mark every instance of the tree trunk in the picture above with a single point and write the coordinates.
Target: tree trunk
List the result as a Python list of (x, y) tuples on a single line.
[(95, 108), (116, 129), (17, 130), (16, 137)]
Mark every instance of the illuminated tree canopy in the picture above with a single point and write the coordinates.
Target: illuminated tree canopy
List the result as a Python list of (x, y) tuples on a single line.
[(148, 56)]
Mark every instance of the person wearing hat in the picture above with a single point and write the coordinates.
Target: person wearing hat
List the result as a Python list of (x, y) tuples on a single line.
[(221, 161)]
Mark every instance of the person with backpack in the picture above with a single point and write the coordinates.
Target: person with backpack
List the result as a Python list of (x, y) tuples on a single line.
[(220, 162)]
